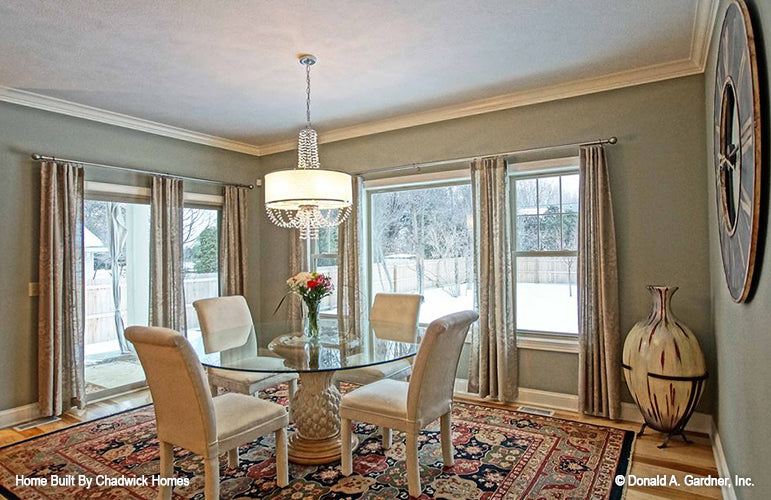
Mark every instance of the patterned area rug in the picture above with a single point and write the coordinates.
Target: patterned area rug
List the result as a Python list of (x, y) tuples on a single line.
[(499, 454)]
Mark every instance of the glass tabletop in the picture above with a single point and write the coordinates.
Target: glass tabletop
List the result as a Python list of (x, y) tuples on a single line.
[(277, 347)]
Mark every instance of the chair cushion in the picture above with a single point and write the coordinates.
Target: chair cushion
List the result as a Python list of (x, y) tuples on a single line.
[(385, 397), (238, 414)]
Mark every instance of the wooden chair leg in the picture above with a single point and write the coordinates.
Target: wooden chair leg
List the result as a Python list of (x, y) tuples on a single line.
[(282, 459), (346, 453), (233, 458), (387, 437), (211, 478), (167, 469), (446, 431), (413, 465)]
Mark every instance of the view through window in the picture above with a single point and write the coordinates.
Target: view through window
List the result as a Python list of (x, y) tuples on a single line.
[(546, 243), (117, 263), (421, 242), (200, 243), (324, 261)]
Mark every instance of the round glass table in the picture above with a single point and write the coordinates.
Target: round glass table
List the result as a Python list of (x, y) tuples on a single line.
[(276, 348)]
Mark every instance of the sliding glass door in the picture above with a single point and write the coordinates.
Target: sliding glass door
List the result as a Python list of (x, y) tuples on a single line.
[(117, 263)]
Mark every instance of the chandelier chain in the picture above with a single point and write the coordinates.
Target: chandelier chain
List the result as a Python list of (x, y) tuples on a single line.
[(308, 95)]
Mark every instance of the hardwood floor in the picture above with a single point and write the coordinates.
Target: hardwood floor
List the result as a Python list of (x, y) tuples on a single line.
[(679, 459)]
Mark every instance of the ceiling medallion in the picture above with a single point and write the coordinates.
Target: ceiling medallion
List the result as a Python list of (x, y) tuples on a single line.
[(308, 197)]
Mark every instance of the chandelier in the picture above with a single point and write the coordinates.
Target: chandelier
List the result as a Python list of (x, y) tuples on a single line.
[(308, 197)]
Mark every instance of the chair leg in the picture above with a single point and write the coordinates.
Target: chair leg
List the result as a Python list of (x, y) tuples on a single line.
[(213, 389), (211, 478), (446, 431), (233, 458), (413, 465), (345, 452), (292, 384), (167, 469), (282, 460), (387, 439)]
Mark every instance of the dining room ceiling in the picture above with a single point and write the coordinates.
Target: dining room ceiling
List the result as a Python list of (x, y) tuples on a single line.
[(229, 69)]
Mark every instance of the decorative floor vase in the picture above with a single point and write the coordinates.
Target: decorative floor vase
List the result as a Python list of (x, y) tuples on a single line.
[(664, 367)]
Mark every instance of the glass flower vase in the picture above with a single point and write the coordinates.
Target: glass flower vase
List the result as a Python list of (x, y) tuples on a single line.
[(311, 320)]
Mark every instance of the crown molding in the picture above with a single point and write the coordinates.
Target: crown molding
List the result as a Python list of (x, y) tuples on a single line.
[(46, 103), (638, 76), (703, 26), (701, 37)]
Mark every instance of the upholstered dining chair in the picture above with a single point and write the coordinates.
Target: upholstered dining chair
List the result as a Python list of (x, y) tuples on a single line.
[(226, 322), (397, 315), (411, 406), (188, 416)]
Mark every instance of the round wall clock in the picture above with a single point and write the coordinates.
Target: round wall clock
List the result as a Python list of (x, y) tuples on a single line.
[(737, 149)]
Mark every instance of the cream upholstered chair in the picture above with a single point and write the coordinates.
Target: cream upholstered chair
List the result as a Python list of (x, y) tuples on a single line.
[(410, 406), (398, 313), (226, 323), (186, 415)]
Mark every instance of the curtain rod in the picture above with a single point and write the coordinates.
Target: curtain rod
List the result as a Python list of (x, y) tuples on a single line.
[(418, 166), (41, 158)]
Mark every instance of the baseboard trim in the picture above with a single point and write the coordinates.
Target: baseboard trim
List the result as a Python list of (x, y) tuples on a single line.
[(15, 416), (729, 493), (699, 422)]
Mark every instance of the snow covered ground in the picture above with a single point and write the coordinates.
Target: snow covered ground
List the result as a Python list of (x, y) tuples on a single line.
[(540, 306)]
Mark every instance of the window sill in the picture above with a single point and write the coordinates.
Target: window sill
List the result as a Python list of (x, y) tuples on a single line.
[(544, 342), (554, 343)]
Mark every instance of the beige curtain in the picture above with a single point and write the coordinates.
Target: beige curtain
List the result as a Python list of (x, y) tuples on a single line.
[(61, 371), (298, 261), (233, 250), (349, 271), (167, 297), (599, 358), (493, 366)]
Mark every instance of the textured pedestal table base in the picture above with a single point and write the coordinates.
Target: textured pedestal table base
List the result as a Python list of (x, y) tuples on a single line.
[(316, 414)]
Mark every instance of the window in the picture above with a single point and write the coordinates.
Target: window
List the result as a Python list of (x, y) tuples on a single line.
[(200, 245), (324, 260), (117, 288), (546, 242), (420, 240)]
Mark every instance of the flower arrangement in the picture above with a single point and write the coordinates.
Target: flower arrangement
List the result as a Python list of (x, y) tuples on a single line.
[(311, 288)]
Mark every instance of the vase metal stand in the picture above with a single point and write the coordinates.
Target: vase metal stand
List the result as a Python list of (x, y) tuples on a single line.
[(697, 386), (669, 436)]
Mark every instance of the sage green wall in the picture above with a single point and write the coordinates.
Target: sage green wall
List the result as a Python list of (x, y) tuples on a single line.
[(24, 131), (742, 332), (657, 178)]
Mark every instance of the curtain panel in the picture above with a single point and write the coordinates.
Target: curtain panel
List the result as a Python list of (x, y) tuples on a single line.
[(233, 246), (493, 361), (61, 310), (167, 296), (298, 261), (599, 358), (350, 289)]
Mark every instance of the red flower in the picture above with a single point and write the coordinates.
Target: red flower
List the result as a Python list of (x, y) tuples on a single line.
[(312, 284)]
